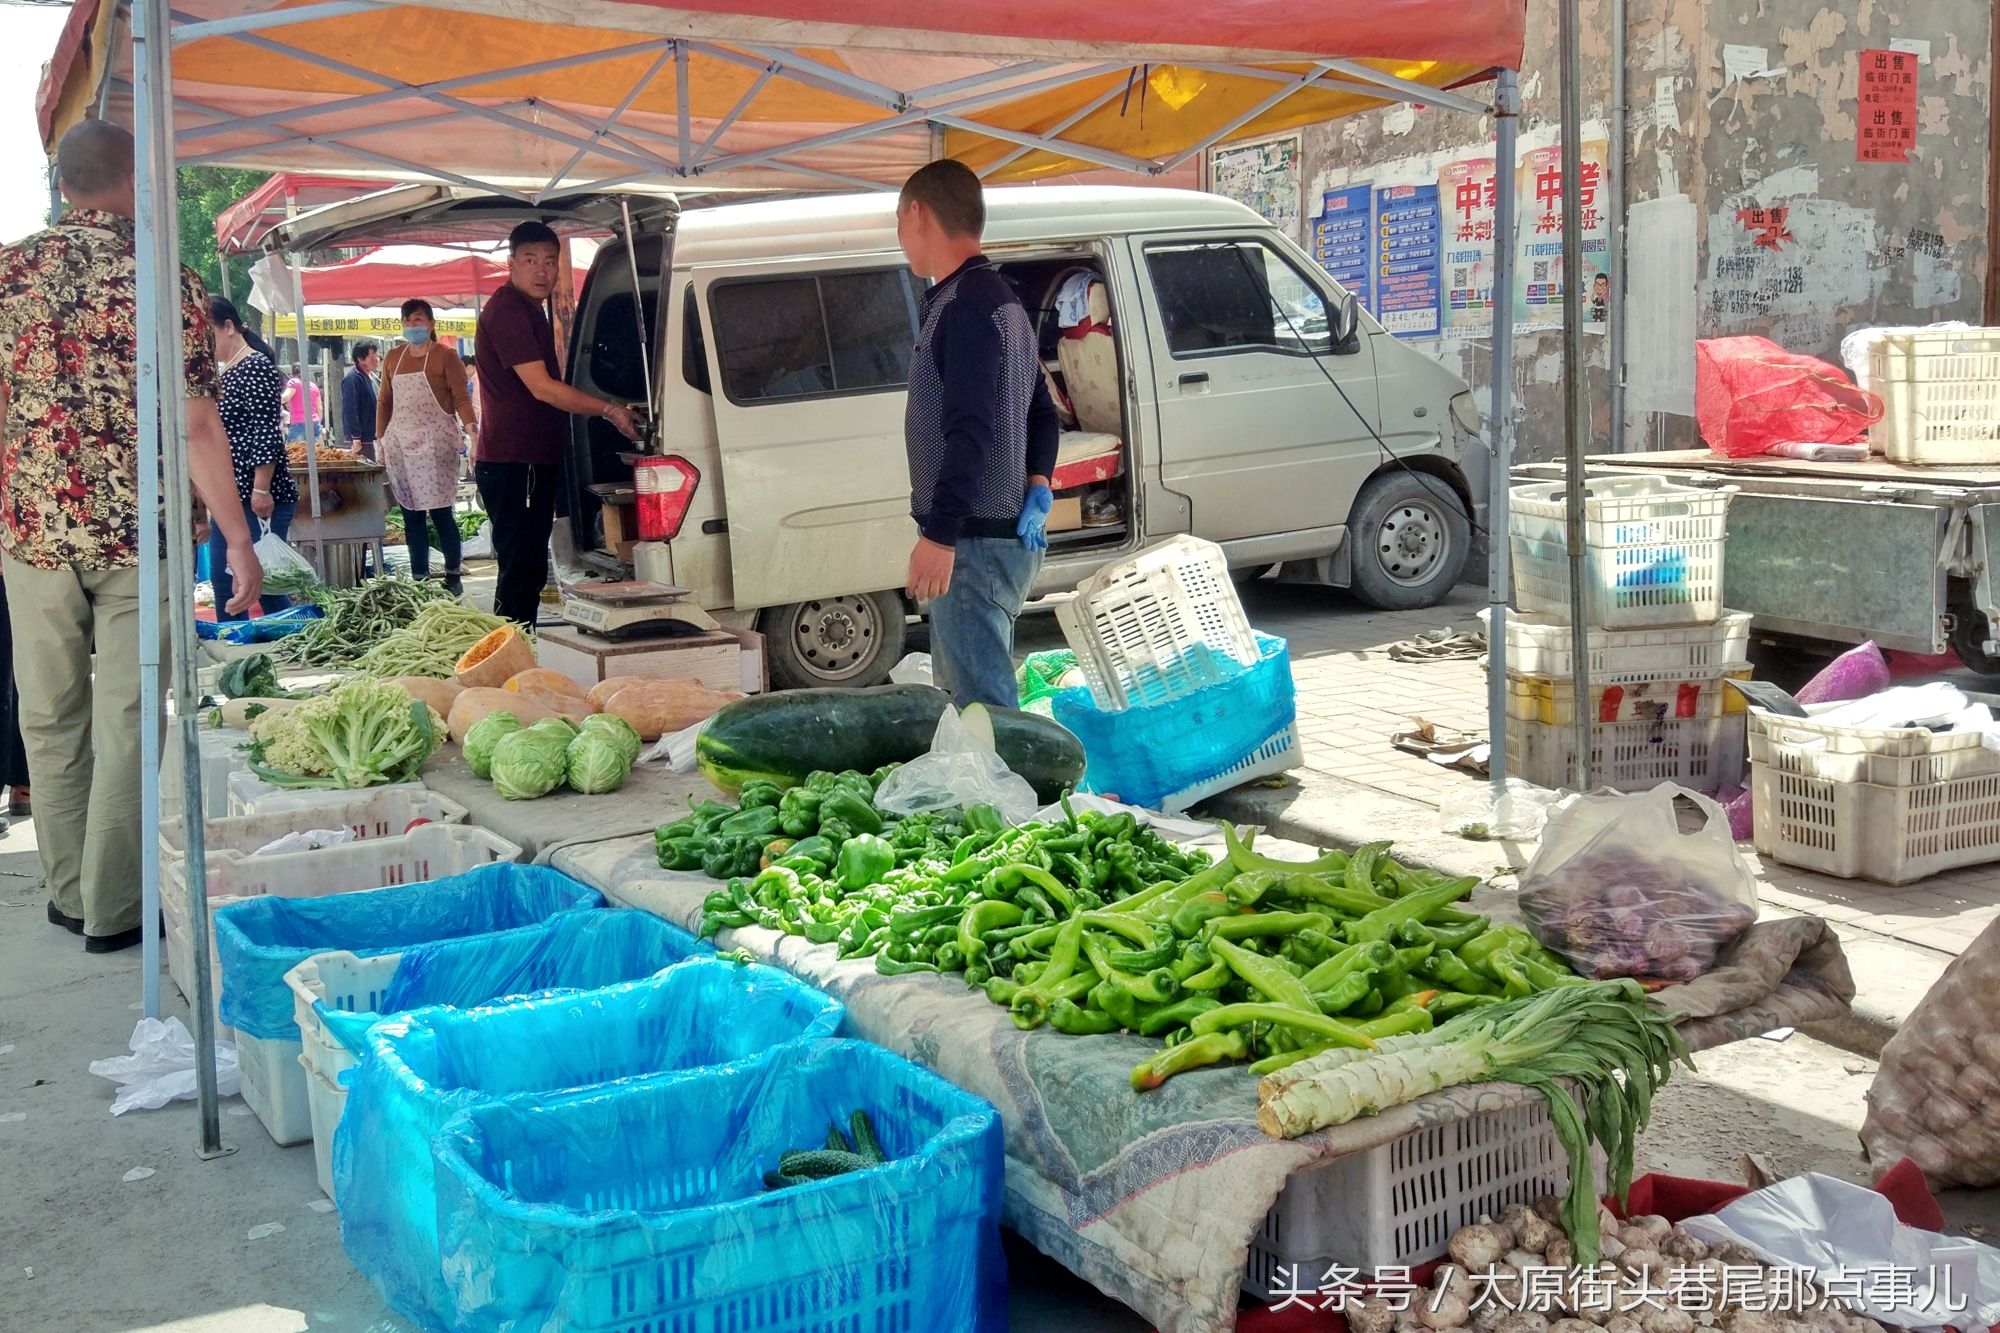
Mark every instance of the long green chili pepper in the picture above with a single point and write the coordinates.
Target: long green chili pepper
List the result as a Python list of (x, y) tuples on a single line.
[(1215, 1048), (1450, 972), (1197, 912), (1211, 978), (1314, 1022), (1265, 923), (1330, 892), (1382, 922), (1158, 986), (1030, 1006), (890, 968), (1067, 1017), (1266, 976), (1238, 854), (1165, 1018), (1009, 877), (1360, 872), (980, 922), (1368, 957), (1344, 993)]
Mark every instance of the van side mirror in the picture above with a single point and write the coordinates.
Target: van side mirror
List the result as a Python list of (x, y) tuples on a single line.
[(1346, 326)]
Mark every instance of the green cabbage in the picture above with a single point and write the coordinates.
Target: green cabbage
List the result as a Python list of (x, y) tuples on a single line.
[(560, 726), (529, 763), (616, 729), (597, 762), (484, 734)]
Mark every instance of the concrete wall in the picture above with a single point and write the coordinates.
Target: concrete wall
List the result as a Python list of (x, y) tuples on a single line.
[(1868, 243)]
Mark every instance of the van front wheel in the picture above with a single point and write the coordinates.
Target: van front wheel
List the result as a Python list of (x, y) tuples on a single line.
[(1411, 539), (850, 641)]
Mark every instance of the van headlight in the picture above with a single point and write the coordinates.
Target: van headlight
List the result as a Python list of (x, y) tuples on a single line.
[(1465, 413)]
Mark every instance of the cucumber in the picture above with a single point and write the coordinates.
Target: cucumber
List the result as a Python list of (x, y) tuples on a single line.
[(782, 737)]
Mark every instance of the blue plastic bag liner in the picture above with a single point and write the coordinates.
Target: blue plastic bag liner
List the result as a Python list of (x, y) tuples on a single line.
[(425, 1066), (263, 629), (260, 939), (645, 1207), (575, 951), (1148, 752)]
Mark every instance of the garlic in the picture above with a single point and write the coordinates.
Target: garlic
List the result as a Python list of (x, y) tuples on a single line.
[(1443, 1310), (1477, 1246), (1684, 1246), (1369, 1314), (1672, 1319)]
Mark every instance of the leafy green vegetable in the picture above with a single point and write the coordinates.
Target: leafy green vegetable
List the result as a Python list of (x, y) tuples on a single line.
[(529, 763), (251, 677), (559, 726), (617, 730), (363, 734), (597, 763), (483, 736)]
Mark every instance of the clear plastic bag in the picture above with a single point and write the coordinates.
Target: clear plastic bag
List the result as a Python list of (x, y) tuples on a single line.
[(960, 769), (914, 669), (160, 1068), (1517, 814), (276, 555), (1619, 890)]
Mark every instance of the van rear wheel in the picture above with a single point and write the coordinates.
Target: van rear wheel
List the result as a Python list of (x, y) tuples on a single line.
[(1411, 539), (850, 641)]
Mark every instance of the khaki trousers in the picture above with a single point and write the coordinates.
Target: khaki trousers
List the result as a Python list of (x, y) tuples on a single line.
[(81, 730)]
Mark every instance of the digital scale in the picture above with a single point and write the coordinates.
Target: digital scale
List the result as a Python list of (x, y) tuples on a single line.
[(632, 608)]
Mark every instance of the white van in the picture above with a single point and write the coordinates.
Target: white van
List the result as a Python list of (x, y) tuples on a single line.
[(1218, 383)]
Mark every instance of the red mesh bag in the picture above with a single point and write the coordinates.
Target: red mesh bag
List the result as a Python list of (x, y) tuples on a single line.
[(1751, 394)]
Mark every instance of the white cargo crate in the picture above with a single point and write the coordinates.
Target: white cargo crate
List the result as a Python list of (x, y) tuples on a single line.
[(1397, 1205), (351, 985), (1539, 645), (1879, 756), (251, 795), (325, 1100), (1856, 830), (429, 851), (1701, 753), (1158, 626), (274, 1086), (1653, 551), (1276, 755), (222, 756), (1940, 393)]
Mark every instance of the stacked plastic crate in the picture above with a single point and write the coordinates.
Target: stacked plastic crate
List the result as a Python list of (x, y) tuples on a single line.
[(1661, 643), (1182, 698)]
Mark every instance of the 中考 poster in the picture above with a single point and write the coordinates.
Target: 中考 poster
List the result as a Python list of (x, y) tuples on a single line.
[(1342, 240), (1406, 268), (1886, 128), (1467, 191), (1538, 277)]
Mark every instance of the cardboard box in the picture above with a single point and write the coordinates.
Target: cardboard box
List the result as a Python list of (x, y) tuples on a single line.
[(712, 658), (621, 530), (1066, 515), (756, 666)]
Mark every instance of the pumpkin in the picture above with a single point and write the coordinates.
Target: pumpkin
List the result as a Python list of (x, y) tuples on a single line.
[(601, 692), (474, 704), (555, 703), (495, 659), (439, 694), (657, 707), (542, 678)]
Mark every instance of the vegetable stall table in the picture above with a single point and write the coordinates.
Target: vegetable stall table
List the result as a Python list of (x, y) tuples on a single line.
[(650, 797), (352, 520), (1155, 1197)]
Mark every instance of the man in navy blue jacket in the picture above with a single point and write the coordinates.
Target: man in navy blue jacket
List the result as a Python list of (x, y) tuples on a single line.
[(981, 434)]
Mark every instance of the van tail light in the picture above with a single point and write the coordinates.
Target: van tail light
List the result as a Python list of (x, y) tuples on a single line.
[(665, 489)]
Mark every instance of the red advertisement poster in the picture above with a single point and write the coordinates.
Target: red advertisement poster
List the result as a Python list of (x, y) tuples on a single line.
[(1887, 123)]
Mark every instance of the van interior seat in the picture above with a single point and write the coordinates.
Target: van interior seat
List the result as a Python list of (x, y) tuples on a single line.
[(1088, 351), (1084, 456)]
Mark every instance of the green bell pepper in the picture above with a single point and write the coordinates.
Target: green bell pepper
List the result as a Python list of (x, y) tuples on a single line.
[(852, 809), (798, 812), (864, 860), (982, 818), (758, 793), (817, 848), (761, 822)]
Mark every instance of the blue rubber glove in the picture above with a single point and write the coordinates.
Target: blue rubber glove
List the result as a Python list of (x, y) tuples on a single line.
[(1034, 524)]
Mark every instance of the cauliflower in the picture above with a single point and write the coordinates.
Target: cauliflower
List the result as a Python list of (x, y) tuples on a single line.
[(284, 739), (365, 733)]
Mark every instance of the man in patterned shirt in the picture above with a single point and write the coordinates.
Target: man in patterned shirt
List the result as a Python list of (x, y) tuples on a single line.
[(981, 433), (70, 524)]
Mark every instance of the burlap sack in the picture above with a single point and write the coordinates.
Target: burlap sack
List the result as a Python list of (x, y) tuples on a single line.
[(1936, 1099)]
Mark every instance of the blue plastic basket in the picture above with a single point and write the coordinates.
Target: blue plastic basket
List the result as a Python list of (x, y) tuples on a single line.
[(425, 1066), (1148, 752), (260, 939), (643, 1209)]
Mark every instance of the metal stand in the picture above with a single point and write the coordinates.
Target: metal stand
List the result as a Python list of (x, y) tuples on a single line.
[(1506, 130), (1614, 194), (1576, 424)]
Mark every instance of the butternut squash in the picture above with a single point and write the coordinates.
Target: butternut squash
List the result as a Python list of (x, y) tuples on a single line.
[(473, 704), (495, 659), (657, 707), (601, 692), (543, 678)]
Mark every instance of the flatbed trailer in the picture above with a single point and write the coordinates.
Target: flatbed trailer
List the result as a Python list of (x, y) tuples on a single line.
[(1827, 555)]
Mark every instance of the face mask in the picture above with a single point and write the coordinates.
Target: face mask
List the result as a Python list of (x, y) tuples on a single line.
[(416, 335)]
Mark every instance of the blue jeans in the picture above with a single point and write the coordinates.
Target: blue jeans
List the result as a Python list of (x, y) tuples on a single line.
[(218, 560), (972, 625), (295, 430)]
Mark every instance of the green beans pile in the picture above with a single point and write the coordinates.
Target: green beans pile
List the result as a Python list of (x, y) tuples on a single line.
[(352, 620), (431, 644)]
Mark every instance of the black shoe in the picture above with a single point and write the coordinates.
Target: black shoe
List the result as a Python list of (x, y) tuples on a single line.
[(72, 924), (454, 582), (124, 939)]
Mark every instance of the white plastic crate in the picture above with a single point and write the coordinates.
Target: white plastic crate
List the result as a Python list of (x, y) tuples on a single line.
[(429, 851), (325, 1100), (251, 795), (1398, 1204), (1940, 393), (1153, 628), (1276, 755), (1548, 699), (1539, 645), (1856, 830), (1879, 756), (274, 1086), (222, 756), (1700, 753), (350, 984), (1653, 551)]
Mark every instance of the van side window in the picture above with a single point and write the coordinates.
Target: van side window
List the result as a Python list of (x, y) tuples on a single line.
[(1219, 296), (836, 333), (694, 348)]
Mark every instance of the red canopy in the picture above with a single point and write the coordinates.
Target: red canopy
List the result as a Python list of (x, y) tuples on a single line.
[(244, 222), (395, 274)]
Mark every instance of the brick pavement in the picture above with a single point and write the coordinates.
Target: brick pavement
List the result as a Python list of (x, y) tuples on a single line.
[(1353, 697)]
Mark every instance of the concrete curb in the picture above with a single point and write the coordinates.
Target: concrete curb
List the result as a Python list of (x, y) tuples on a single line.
[(1890, 976)]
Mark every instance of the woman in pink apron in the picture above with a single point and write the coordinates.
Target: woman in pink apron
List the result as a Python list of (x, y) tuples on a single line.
[(423, 404)]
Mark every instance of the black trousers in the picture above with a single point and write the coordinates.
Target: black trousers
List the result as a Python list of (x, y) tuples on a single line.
[(417, 525), (13, 758), (520, 499)]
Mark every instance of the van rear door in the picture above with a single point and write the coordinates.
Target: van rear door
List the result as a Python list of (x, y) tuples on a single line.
[(809, 363), (1262, 428)]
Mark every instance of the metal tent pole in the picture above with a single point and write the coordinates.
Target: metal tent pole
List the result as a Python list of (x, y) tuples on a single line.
[(305, 387), (162, 413), (1576, 424), (1614, 198), (1506, 130)]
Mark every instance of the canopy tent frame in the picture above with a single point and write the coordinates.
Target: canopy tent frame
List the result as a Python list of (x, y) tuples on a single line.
[(947, 103)]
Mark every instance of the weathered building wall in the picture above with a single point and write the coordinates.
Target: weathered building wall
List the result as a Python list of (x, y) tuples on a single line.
[(1713, 133)]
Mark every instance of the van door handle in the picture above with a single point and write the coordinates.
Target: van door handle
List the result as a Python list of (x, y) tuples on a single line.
[(1194, 377)]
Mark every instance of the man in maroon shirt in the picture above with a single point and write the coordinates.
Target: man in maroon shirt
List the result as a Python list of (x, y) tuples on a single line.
[(523, 420)]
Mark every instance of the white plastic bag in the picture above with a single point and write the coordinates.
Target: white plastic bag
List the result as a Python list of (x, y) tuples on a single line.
[(306, 840), (276, 555), (1517, 814), (1620, 891), (914, 669), (959, 770), (160, 1068), (676, 748)]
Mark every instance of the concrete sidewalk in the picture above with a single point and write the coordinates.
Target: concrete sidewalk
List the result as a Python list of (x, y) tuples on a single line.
[(1356, 787)]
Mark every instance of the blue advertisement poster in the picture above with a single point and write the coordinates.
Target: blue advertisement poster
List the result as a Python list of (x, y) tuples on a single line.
[(1341, 240), (1408, 242)]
